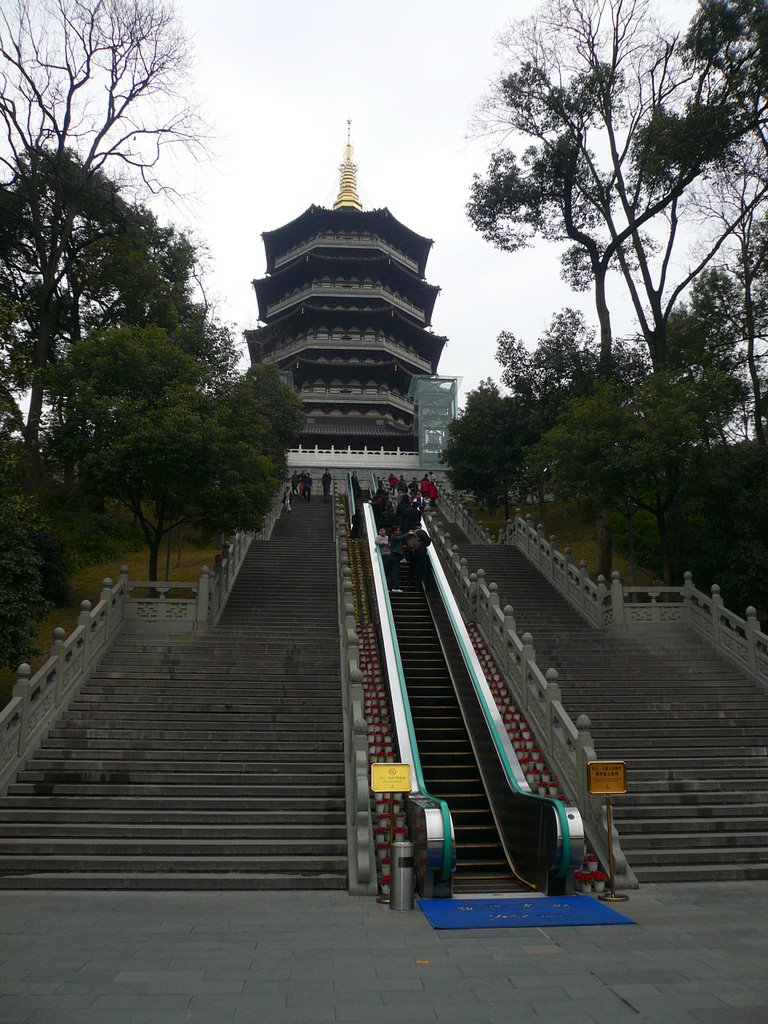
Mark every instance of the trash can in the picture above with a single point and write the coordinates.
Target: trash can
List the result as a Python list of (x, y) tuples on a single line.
[(401, 871)]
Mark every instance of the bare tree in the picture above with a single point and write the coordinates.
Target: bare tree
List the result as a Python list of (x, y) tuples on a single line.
[(90, 91), (620, 121)]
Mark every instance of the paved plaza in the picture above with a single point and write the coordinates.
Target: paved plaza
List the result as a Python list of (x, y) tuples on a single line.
[(696, 956)]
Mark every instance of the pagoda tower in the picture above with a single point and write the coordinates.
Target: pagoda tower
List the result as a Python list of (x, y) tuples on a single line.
[(346, 313)]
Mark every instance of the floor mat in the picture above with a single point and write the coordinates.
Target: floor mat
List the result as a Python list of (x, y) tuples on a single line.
[(520, 912)]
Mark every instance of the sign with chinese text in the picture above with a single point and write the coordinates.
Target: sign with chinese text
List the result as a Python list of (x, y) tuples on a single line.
[(391, 778), (606, 777)]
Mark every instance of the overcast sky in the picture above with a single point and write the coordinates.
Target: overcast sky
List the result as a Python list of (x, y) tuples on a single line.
[(278, 82)]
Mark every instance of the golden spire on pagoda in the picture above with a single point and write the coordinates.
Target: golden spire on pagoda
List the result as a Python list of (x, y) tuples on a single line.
[(348, 185)]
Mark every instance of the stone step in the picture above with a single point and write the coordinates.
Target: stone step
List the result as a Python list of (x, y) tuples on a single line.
[(123, 820), (191, 739), (176, 768), (175, 803), (122, 774), (162, 752), (298, 863), (645, 825), (281, 845), (694, 841), (690, 856), (654, 874), (304, 879), (272, 789)]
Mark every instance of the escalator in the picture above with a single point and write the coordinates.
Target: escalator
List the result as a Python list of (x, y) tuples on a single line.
[(447, 758), (474, 821)]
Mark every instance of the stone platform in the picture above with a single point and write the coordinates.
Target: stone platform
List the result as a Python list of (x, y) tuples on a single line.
[(697, 956)]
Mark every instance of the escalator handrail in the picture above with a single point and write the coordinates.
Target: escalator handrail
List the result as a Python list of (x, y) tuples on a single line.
[(406, 734), (490, 711), (351, 495)]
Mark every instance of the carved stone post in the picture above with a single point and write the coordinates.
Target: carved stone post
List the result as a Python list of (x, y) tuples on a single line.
[(751, 633), (84, 620), (510, 626), (528, 654), (717, 604), (203, 591), (585, 751), (57, 651), (472, 593), (617, 599), (688, 594), (493, 604), (106, 597), (552, 696), (21, 689)]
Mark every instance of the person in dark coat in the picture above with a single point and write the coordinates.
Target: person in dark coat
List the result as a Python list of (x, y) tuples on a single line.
[(411, 519), (416, 543)]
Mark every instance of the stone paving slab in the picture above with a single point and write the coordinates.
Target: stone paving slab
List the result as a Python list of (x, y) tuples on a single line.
[(696, 956)]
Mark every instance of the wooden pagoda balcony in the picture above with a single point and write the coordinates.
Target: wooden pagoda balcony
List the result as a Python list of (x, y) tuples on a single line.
[(296, 347), (356, 396), (348, 290), (347, 241)]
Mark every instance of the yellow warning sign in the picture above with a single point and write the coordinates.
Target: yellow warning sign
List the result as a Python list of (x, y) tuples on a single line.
[(606, 777), (390, 778)]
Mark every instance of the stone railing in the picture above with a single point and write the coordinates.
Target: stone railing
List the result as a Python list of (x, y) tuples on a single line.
[(620, 608), (380, 459), (454, 509), (568, 746), (362, 852), (128, 606)]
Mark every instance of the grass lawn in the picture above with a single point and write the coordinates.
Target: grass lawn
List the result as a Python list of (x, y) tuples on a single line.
[(86, 585)]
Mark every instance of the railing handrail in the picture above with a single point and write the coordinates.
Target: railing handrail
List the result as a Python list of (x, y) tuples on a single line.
[(569, 746), (406, 733), (38, 698), (569, 822)]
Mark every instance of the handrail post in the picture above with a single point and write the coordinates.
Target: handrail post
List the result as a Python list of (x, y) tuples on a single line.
[(84, 620), (203, 590), (751, 631), (717, 604), (21, 689), (617, 598)]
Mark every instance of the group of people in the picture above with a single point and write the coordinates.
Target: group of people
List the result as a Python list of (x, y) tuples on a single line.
[(395, 545), (300, 486), (399, 527)]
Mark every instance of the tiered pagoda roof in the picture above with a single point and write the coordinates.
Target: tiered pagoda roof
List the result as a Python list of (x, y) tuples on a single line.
[(345, 308)]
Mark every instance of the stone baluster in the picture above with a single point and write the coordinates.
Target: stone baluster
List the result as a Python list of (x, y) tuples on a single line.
[(493, 604), (510, 626), (583, 577), (585, 751), (552, 696), (479, 597), (472, 593), (21, 689), (751, 631), (528, 655), (203, 591), (617, 599), (717, 604), (57, 651), (84, 620), (688, 589), (106, 597)]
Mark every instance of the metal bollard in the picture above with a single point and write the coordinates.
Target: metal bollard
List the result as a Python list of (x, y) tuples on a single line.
[(401, 867)]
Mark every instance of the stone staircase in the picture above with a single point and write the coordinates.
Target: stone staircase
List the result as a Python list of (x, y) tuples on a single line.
[(692, 729), (211, 761)]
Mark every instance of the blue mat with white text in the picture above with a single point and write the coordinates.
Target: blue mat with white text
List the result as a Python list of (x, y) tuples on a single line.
[(520, 912)]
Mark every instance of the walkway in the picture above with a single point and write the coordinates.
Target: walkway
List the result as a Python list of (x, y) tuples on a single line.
[(696, 957)]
